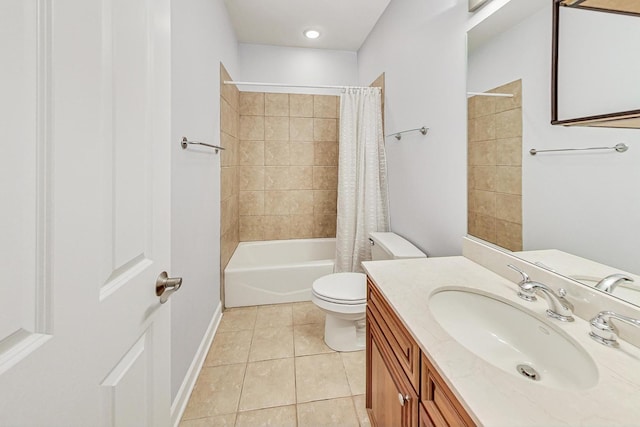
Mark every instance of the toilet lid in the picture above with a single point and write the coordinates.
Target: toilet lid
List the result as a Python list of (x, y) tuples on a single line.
[(345, 288)]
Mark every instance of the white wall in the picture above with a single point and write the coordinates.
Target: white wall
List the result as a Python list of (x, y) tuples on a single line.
[(588, 203), (292, 65), (420, 46), (597, 48), (202, 37)]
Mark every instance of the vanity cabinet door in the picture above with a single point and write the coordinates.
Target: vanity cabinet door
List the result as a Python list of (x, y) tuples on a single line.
[(425, 420), (400, 342), (437, 403), (392, 400)]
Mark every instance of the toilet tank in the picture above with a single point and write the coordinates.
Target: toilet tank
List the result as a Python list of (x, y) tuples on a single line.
[(387, 245)]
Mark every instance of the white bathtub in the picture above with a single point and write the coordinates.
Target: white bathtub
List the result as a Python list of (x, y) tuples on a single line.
[(276, 271)]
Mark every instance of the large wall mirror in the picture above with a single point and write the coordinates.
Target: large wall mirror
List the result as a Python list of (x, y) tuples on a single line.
[(596, 67), (579, 211)]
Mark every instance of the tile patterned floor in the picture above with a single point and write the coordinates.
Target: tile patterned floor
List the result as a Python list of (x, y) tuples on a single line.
[(269, 366)]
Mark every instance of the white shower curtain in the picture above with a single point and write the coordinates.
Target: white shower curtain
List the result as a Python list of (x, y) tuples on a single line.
[(362, 177)]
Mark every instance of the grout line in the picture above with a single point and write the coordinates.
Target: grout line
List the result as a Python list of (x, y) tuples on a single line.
[(246, 368), (344, 368), (295, 380), (353, 404)]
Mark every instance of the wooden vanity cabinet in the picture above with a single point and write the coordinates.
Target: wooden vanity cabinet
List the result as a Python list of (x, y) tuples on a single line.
[(438, 405), (390, 396), (403, 389)]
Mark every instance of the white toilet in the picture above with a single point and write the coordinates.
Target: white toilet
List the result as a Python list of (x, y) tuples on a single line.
[(343, 296)]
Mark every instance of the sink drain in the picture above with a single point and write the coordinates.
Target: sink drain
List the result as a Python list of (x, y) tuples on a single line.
[(528, 372)]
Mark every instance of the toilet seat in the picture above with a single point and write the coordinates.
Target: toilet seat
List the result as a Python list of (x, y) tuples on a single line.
[(341, 288), (339, 301)]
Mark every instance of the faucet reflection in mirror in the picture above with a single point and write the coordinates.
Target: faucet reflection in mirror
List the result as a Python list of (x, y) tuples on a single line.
[(608, 279), (609, 283)]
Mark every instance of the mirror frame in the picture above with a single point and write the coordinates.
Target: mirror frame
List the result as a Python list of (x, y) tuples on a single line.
[(623, 119)]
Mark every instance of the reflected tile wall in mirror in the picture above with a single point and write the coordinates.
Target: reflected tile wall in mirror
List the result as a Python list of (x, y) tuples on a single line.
[(495, 167)]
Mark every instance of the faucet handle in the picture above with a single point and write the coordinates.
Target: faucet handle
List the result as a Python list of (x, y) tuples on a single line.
[(525, 276), (525, 291), (603, 331)]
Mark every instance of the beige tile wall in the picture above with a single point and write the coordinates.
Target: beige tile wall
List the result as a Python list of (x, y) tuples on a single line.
[(288, 166), (229, 178), (495, 167)]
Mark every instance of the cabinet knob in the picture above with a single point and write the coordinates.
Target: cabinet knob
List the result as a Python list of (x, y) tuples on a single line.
[(403, 399)]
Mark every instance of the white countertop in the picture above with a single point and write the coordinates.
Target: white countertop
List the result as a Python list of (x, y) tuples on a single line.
[(492, 396)]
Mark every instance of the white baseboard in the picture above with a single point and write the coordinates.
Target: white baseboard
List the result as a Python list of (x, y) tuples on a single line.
[(182, 398)]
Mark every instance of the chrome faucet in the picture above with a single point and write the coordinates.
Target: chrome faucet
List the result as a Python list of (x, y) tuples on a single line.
[(604, 332), (609, 283), (559, 307)]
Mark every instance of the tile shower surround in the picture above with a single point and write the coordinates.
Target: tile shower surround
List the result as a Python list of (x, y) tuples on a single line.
[(269, 365), (288, 165), (229, 213), (495, 167), (279, 170)]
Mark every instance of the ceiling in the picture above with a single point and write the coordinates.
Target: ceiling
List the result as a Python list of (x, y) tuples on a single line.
[(343, 24)]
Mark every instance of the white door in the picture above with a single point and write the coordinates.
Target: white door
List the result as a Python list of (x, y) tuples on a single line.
[(84, 223)]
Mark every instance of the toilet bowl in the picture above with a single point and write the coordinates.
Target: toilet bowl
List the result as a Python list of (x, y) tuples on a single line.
[(343, 296)]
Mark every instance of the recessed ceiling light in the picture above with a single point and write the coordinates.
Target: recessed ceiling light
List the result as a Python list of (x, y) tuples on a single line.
[(311, 34)]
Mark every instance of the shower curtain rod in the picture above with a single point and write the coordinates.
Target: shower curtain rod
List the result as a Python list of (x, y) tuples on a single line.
[(504, 95), (229, 82)]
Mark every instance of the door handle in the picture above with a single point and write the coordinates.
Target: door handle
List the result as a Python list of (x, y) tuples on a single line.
[(166, 286)]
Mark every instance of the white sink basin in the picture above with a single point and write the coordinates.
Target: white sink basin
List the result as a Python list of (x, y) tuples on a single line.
[(512, 339)]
